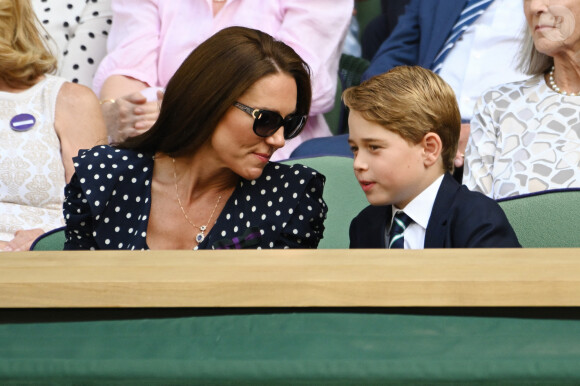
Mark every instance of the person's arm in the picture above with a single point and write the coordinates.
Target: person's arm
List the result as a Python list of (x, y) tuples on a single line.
[(316, 31), (130, 66), (402, 45), (78, 217), (22, 240), (480, 150), (306, 225), (128, 115), (481, 223), (78, 123), (132, 46)]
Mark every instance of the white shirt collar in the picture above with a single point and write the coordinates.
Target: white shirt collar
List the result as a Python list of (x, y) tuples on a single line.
[(419, 209)]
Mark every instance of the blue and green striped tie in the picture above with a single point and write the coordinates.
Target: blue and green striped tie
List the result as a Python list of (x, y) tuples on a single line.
[(400, 223)]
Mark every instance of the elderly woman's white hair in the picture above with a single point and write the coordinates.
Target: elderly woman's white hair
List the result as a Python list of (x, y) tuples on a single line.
[(530, 60)]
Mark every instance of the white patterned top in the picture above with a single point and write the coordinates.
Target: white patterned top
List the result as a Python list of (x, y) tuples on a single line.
[(524, 138), (32, 177)]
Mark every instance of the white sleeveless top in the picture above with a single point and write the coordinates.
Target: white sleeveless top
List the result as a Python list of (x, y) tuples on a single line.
[(32, 177)]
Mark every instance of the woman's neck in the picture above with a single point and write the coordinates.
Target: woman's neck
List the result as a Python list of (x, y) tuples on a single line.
[(567, 75), (194, 176), (217, 6)]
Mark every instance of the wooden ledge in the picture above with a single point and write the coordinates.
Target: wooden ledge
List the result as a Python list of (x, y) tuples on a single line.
[(292, 278)]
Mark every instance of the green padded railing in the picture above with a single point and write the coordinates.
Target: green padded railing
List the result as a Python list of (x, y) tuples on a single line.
[(342, 194), (545, 219)]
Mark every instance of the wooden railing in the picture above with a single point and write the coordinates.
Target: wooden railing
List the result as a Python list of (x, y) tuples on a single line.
[(291, 278)]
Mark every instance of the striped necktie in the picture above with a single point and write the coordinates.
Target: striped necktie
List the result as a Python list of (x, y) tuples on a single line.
[(400, 222), (472, 10)]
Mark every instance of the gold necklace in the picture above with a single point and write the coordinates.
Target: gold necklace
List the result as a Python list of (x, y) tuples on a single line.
[(201, 235)]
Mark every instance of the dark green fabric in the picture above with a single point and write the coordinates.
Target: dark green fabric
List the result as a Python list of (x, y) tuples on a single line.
[(350, 70), (332, 117), (365, 12), (294, 348)]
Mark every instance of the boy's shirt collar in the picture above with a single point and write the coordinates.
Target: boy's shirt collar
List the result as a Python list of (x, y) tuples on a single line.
[(419, 209)]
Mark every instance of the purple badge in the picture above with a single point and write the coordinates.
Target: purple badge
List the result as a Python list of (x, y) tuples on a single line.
[(22, 122)]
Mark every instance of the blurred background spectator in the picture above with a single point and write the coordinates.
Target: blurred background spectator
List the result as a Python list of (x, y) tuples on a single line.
[(525, 136), (78, 30), (471, 44), (45, 121)]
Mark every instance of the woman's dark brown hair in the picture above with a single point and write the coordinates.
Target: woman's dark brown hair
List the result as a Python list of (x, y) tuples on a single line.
[(210, 80)]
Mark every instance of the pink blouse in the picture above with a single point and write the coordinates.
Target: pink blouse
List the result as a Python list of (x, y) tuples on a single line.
[(149, 39)]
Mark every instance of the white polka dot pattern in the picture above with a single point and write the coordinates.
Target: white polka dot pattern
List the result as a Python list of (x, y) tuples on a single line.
[(286, 215), (79, 30)]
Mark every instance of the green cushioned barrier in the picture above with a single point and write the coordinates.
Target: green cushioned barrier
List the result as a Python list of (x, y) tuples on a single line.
[(50, 241), (342, 194), (294, 348), (545, 219)]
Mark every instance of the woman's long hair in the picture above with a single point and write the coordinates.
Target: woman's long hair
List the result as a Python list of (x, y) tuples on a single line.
[(24, 53), (210, 80), (531, 61)]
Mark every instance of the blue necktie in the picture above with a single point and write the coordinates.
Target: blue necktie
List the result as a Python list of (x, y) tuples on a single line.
[(400, 223), (473, 9)]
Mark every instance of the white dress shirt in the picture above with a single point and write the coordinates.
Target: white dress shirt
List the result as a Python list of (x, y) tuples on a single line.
[(419, 209), (486, 54)]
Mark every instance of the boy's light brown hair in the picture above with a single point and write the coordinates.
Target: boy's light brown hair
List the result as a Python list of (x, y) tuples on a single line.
[(410, 101)]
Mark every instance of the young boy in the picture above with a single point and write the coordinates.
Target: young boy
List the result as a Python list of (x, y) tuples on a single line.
[(404, 128)]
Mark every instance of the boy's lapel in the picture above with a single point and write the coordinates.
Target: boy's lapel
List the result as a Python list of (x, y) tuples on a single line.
[(387, 221), (437, 231)]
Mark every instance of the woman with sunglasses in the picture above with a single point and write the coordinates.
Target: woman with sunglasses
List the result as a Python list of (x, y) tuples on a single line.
[(200, 178), (149, 39)]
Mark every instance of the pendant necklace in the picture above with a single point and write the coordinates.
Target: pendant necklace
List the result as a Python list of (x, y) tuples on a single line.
[(201, 235)]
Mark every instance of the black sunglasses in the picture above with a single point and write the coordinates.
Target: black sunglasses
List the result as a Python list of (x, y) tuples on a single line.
[(267, 122)]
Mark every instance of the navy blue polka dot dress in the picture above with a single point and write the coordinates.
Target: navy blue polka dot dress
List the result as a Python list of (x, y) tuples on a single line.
[(108, 201)]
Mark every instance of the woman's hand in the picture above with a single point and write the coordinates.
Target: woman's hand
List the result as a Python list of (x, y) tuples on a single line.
[(129, 107), (22, 240), (128, 116)]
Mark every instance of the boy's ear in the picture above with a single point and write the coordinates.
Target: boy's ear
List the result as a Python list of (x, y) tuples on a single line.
[(432, 148)]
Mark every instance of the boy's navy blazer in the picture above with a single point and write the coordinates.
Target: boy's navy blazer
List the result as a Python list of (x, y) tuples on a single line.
[(460, 219)]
